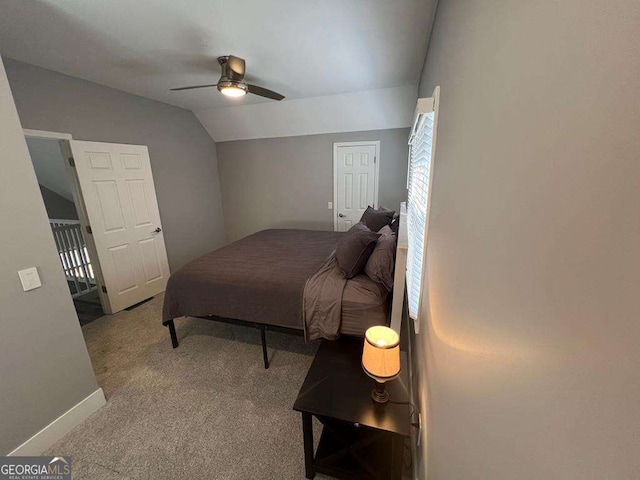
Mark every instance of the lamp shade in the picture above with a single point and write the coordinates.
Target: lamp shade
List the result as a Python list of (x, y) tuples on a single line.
[(381, 353)]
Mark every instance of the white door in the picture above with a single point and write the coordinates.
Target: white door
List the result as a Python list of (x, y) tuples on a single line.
[(120, 201), (355, 182)]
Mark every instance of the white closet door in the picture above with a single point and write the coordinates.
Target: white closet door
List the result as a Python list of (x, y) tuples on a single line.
[(355, 183), (120, 201)]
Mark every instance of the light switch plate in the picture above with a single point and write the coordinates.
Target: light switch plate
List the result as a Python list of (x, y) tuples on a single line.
[(330, 205), (29, 278)]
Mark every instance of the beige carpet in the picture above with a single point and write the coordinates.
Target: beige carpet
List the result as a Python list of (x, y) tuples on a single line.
[(207, 409)]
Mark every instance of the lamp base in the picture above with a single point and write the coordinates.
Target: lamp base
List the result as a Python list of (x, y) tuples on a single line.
[(380, 394)]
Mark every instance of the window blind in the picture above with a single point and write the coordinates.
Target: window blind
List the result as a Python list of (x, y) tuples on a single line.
[(420, 164)]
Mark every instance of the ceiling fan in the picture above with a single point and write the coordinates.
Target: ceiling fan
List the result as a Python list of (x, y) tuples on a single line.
[(231, 84)]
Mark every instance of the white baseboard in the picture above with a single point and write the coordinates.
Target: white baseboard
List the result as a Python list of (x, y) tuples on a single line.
[(61, 425)]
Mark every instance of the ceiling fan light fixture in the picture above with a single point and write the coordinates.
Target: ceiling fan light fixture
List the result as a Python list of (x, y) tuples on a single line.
[(232, 89), (231, 82)]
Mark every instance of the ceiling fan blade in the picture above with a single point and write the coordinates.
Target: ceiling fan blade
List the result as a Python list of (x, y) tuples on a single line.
[(237, 67), (264, 92), (195, 86)]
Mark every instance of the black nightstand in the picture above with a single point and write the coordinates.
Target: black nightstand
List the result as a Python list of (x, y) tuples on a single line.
[(360, 439)]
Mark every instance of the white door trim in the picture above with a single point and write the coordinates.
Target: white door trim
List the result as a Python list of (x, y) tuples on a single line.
[(336, 145), (44, 134), (61, 426)]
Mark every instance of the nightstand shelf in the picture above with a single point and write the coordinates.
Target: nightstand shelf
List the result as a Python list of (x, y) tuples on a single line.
[(358, 453)]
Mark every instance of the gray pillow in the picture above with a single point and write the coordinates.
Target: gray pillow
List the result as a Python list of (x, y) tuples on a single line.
[(381, 264), (354, 249), (395, 223), (376, 219)]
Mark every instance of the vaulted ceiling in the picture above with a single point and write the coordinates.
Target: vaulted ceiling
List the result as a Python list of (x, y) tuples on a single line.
[(300, 48)]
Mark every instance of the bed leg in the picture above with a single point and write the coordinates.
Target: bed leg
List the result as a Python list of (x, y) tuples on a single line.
[(172, 332), (264, 347)]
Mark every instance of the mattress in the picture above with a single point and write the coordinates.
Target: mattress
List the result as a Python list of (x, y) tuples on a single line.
[(261, 279)]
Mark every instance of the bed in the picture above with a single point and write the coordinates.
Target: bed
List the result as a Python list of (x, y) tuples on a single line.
[(275, 280)]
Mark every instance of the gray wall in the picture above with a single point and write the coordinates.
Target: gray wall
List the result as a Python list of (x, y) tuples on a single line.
[(44, 366), (57, 206), (286, 182), (531, 344), (183, 156), (49, 164)]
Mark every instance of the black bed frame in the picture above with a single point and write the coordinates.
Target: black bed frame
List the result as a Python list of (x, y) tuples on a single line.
[(260, 326)]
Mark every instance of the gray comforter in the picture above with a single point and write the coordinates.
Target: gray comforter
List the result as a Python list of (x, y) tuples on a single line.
[(322, 301), (260, 278)]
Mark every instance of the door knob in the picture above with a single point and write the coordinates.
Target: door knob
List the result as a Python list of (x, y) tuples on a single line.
[(341, 215), (157, 230)]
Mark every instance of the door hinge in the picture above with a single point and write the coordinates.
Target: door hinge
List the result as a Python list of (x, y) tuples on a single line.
[(72, 162), (375, 159), (89, 231), (104, 289)]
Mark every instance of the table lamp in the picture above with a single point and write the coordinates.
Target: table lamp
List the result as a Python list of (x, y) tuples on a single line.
[(381, 359)]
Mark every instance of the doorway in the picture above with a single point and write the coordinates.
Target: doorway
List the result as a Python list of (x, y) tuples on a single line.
[(57, 189), (356, 167), (109, 237)]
